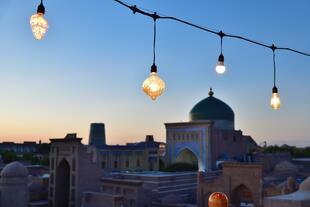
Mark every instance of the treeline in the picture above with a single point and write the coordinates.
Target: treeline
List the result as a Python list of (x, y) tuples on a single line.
[(39, 158), (33, 159), (297, 152)]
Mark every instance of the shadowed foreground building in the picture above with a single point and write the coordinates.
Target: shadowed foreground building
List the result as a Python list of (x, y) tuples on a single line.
[(76, 168)]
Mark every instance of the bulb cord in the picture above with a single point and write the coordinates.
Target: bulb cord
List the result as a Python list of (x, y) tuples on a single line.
[(221, 45), (274, 64), (154, 42)]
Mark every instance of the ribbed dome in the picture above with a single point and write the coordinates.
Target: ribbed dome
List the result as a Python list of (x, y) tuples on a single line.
[(14, 169), (305, 185), (211, 108)]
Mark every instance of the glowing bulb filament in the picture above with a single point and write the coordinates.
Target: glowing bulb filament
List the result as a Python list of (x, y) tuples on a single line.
[(275, 99), (153, 86), (39, 25), (220, 68)]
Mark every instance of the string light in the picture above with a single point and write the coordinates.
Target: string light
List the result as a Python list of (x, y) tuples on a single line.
[(220, 67), (154, 86), (38, 23), (275, 98)]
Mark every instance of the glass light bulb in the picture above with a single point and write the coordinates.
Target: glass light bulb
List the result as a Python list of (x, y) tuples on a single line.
[(39, 25), (220, 68), (153, 86), (275, 101)]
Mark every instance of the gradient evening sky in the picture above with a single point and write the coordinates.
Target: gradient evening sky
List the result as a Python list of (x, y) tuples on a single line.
[(90, 66)]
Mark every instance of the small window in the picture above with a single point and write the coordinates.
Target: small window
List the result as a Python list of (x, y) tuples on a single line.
[(72, 195), (103, 164), (127, 164), (51, 192), (73, 164), (138, 163), (73, 180), (52, 163), (52, 178), (115, 164)]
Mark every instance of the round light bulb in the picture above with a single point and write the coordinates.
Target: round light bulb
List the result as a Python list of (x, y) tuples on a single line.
[(153, 86), (275, 99), (220, 68), (39, 25), (218, 199)]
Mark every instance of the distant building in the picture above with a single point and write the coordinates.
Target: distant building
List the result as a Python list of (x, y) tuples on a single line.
[(19, 148), (25, 147)]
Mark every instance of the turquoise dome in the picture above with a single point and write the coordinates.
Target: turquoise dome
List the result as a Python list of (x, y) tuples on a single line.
[(211, 108)]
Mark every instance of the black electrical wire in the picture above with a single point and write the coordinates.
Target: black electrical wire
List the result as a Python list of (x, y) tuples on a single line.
[(155, 16), (154, 43), (274, 68)]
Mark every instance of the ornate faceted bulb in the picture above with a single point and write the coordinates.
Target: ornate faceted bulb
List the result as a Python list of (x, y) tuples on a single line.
[(153, 86), (218, 199), (38, 23), (220, 67), (275, 99)]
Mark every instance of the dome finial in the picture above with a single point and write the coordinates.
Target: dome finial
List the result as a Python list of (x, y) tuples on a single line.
[(211, 92)]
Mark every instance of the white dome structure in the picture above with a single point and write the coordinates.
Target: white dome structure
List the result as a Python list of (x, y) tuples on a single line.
[(14, 169), (305, 185), (300, 198), (13, 185)]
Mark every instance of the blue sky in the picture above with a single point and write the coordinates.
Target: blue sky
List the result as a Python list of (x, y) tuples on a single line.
[(96, 54)]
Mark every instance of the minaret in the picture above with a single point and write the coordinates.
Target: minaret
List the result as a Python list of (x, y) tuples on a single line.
[(97, 135)]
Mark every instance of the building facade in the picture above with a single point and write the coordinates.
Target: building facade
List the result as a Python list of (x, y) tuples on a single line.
[(76, 168), (208, 138)]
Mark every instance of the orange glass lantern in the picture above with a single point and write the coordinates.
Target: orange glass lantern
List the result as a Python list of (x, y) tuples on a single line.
[(218, 199)]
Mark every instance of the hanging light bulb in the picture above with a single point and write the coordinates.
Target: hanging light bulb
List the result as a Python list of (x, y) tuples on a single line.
[(220, 67), (275, 102), (218, 199), (275, 99), (38, 23), (154, 86)]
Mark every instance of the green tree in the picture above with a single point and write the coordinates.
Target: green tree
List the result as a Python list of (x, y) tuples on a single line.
[(8, 156)]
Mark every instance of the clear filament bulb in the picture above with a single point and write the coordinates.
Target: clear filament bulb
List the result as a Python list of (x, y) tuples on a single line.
[(153, 86), (275, 101), (220, 67), (39, 25)]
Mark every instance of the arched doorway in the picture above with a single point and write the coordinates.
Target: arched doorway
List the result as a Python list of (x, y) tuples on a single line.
[(187, 156), (242, 196), (62, 184)]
